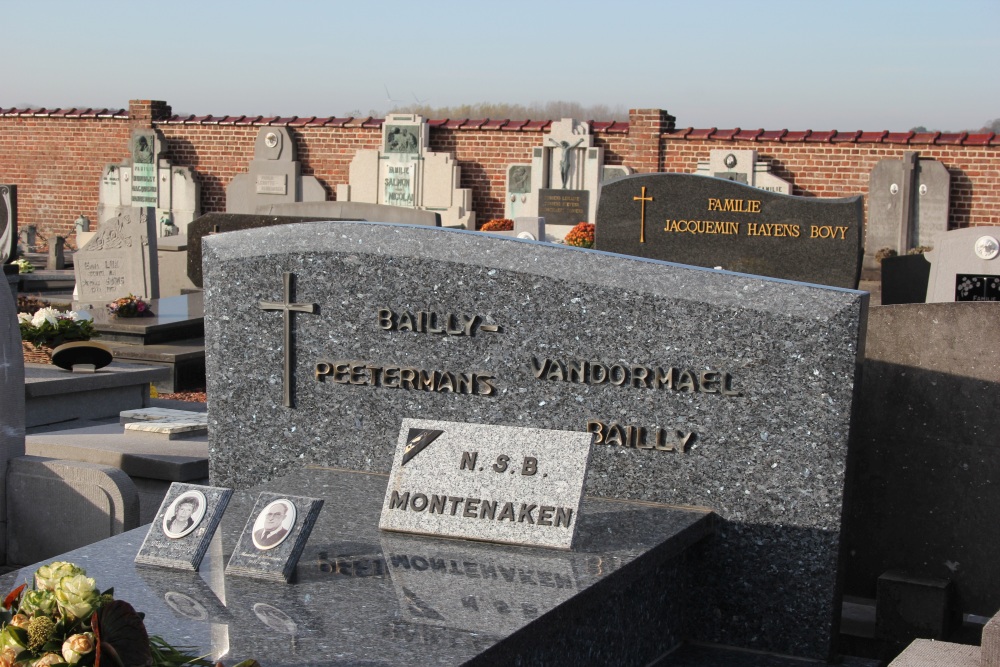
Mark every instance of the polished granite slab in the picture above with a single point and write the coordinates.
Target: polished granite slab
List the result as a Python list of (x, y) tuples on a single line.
[(174, 318), (366, 597)]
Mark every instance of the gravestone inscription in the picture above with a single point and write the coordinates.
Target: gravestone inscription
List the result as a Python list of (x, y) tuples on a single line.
[(563, 207), (700, 387), (719, 223), (119, 260), (490, 483)]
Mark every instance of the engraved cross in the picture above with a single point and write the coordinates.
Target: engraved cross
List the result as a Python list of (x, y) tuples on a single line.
[(642, 220), (288, 307)]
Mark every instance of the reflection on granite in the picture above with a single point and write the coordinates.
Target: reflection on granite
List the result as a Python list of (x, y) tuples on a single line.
[(362, 596), (174, 318)]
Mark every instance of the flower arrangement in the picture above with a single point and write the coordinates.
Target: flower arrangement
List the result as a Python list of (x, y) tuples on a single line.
[(581, 236), (64, 620), (498, 225), (23, 265), (51, 328), (129, 306)]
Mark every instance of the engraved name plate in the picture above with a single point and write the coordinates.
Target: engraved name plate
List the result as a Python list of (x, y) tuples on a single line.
[(272, 184)]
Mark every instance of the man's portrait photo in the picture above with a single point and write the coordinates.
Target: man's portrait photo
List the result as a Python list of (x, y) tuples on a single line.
[(184, 514), (142, 151), (186, 606), (273, 524)]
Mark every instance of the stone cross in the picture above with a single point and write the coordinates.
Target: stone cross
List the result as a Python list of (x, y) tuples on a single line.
[(287, 307)]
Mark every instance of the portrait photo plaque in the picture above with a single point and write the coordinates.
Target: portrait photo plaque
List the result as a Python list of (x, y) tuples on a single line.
[(184, 525), (275, 534)]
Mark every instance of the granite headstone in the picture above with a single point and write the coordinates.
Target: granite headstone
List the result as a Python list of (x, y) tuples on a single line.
[(702, 387), (275, 176), (908, 205), (8, 223), (119, 260), (965, 266), (719, 223), (271, 552)]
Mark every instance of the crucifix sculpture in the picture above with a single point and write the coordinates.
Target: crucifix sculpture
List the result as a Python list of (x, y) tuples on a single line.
[(288, 307), (642, 220)]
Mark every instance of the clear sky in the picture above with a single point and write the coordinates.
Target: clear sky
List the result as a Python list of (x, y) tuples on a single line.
[(804, 64)]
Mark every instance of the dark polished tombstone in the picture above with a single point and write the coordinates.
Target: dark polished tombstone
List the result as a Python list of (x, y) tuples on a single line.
[(718, 223), (218, 223)]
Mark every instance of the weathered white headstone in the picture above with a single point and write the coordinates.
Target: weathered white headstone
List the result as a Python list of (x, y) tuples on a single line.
[(149, 180), (743, 166), (274, 177), (120, 260), (403, 172)]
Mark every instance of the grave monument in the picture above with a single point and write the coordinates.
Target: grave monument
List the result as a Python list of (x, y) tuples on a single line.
[(742, 166), (147, 179), (274, 177), (908, 203), (119, 260), (562, 181), (717, 223), (319, 344), (403, 172), (965, 266)]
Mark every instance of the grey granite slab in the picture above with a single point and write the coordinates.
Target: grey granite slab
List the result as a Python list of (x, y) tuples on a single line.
[(491, 483), (174, 318), (705, 387), (183, 548), (616, 597)]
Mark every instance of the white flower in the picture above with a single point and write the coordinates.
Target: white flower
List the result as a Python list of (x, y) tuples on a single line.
[(23, 317), (80, 316), (50, 315)]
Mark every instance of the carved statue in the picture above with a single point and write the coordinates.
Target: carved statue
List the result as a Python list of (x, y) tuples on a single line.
[(564, 163)]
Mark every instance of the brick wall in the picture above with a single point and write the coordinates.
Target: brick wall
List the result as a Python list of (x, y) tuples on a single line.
[(56, 157)]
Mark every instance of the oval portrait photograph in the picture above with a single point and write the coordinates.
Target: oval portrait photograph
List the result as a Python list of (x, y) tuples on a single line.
[(273, 524), (184, 514)]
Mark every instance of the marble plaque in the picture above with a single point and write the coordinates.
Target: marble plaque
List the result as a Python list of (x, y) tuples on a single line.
[(491, 483), (272, 184), (274, 537), (184, 525)]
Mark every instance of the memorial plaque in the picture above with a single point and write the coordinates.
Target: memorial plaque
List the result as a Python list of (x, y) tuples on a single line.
[(274, 537), (272, 184), (977, 288), (144, 190), (563, 207), (120, 259), (721, 224), (183, 527), (491, 483)]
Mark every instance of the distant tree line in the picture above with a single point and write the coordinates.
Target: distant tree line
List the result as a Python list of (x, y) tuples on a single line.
[(989, 126), (534, 111)]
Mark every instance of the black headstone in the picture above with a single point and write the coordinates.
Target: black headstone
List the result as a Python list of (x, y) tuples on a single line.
[(218, 223), (904, 279), (714, 222)]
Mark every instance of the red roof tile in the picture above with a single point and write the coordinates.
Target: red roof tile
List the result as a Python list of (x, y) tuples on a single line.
[(995, 141), (701, 134), (898, 137), (726, 135), (513, 125), (92, 113), (618, 127), (231, 120), (299, 122), (842, 137), (872, 137), (748, 135), (537, 125), (437, 123), (474, 124), (821, 137), (453, 123), (199, 119), (284, 120), (494, 124), (953, 139), (319, 122), (249, 120), (924, 137), (772, 135), (979, 139), (339, 122), (797, 136), (373, 123), (267, 120)]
